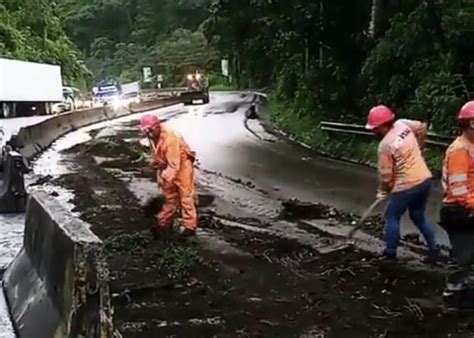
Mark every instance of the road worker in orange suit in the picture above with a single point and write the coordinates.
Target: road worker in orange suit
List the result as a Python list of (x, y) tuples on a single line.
[(174, 160), (457, 213), (404, 178)]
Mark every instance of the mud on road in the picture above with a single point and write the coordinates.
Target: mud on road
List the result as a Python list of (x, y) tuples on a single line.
[(229, 282)]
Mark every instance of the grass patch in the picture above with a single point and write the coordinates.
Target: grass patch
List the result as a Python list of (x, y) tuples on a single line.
[(143, 157), (177, 259), (174, 257), (133, 243), (100, 144)]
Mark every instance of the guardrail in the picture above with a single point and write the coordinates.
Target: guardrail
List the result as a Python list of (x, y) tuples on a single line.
[(153, 94), (165, 89), (434, 139)]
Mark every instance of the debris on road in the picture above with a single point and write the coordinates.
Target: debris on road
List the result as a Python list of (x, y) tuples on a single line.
[(276, 287), (295, 210)]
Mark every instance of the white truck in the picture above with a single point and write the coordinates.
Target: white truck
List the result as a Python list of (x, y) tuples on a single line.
[(28, 88), (131, 92)]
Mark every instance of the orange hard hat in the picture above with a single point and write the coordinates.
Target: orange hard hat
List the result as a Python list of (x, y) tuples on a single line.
[(379, 116), (467, 111), (147, 122)]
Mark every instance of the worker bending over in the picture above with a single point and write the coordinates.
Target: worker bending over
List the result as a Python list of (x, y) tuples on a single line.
[(457, 213), (403, 176), (174, 161)]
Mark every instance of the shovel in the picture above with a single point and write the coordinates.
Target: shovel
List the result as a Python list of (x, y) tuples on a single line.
[(152, 153), (365, 215), (154, 205)]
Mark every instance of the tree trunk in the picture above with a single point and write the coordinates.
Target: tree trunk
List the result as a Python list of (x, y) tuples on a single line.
[(374, 18)]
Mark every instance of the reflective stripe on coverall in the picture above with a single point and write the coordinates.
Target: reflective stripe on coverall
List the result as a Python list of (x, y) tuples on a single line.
[(176, 160)]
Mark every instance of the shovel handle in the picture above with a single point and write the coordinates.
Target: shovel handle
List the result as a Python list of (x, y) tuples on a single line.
[(365, 215), (152, 145), (152, 153)]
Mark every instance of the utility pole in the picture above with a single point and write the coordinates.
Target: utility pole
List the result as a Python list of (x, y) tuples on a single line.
[(373, 19), (306, 55)]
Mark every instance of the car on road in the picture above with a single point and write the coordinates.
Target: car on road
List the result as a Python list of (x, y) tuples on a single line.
[(58, 108)]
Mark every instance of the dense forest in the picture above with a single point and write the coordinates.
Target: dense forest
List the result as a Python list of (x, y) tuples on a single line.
[(334, 58), (319, 59), (34, 30)]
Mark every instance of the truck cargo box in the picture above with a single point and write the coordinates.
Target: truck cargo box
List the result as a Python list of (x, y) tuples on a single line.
[(22, 81)]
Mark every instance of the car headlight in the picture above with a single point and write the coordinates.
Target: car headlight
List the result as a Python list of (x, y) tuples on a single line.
[(117, 103), (190, 77)]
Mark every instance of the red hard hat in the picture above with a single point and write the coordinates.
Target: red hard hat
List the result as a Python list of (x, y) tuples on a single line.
[(147, 122), (467, 111), (378, 116)]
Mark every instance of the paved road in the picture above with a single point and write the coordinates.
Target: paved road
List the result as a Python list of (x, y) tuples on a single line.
[(224, 145)]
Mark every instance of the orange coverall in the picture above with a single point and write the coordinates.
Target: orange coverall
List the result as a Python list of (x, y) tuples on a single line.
[(458, 174), (175, 159)]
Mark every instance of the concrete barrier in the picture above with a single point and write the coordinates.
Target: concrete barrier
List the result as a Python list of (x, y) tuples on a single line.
[(57, 286), (153, 104), (31, 140)]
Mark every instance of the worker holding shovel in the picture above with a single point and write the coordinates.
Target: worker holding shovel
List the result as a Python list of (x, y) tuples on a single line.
[(405, 179), (174, 162), (457, 213)]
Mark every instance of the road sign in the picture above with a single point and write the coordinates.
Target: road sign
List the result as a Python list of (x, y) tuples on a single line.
[(159, 78), (147, 74), (225, 67)]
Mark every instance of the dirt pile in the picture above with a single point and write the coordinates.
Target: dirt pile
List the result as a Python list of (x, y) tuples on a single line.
[(294, 209), (153, 206), (123, 155)]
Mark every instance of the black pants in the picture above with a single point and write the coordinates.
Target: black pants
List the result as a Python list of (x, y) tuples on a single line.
[(459, 224)]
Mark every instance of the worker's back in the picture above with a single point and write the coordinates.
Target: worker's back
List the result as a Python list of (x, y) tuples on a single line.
[(170, 139), (409, 166)]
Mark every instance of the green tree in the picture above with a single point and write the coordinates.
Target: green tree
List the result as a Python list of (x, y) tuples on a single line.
[(25, 35)]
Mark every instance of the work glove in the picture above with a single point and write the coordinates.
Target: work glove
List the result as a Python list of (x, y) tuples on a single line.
[(381, 195)]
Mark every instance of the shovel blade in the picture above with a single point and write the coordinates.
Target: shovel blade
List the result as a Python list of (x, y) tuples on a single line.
[(154, 205)]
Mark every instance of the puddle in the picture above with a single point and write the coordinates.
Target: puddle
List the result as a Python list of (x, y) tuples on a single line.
[(11, 239)]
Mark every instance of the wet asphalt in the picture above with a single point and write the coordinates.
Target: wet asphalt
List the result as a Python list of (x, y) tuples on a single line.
[(284, 169)]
